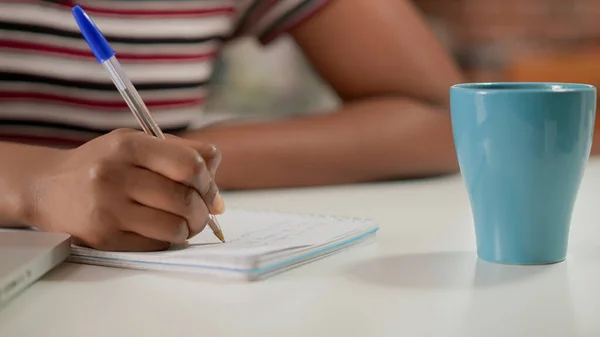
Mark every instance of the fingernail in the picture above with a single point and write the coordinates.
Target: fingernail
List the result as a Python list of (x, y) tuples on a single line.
[(219, 204)]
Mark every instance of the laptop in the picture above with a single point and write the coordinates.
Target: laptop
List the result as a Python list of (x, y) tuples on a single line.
[(26, 256)]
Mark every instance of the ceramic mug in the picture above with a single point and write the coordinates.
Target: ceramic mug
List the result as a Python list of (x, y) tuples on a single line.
[(522, 150)]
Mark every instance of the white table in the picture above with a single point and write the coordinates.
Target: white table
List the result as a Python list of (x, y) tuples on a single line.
[(421, 277)]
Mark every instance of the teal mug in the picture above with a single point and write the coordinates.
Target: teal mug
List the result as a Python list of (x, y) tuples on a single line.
[(522, 150)]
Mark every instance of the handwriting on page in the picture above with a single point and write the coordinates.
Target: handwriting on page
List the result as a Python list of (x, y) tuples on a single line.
[(275, 233)]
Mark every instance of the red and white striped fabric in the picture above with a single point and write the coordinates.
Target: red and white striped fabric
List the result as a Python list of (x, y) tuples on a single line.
[(54, 93)]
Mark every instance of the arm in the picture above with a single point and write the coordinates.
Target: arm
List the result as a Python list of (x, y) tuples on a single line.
[(19, 165), (595, 145), (393, 78)]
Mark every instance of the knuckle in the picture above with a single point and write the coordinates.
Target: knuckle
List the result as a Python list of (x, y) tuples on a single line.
[(218, 159), (101, 171), (214, 164), (122, 142), (217, 152), (196, 165)]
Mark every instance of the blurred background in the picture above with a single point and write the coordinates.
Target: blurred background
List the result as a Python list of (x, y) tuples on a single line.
[(492, 40), (255, 81)]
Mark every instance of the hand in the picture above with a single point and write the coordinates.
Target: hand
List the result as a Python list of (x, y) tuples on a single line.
[(128, 191)]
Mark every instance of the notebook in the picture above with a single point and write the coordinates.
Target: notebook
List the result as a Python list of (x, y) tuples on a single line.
[(258, 244)]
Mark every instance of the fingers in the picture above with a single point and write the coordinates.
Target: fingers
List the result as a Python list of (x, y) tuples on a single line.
[(209, 152), (198, 227), (124, 242), (212, 156), (172, 160), (132, 242), (154, 224), (156, 191), (206, 186)]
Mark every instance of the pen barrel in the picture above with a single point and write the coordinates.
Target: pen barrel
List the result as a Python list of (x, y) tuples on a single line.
[(132, 97)]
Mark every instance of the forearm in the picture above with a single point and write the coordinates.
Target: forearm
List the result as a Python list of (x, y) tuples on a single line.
[(595, 145), (19, 165), (372, 139)]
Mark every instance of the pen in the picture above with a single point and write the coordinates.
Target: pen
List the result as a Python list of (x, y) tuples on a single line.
[(106, 57)]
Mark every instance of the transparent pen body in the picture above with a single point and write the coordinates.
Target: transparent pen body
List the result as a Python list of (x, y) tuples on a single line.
[(132, 97)]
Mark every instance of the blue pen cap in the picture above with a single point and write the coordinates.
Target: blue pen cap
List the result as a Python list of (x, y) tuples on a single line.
[(92, 35)]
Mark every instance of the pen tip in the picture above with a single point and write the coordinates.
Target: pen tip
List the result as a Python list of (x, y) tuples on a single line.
[(219, 235)]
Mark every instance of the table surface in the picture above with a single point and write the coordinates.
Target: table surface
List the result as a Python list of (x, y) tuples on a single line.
[(420, 277)]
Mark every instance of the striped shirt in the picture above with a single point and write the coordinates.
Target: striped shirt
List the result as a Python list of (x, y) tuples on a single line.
[(53, 91)]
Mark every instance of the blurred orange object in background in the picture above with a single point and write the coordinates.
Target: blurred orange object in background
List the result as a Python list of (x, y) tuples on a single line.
[(582, 66)]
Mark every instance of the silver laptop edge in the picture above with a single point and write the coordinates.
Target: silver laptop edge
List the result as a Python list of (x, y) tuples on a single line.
[(31, 254)]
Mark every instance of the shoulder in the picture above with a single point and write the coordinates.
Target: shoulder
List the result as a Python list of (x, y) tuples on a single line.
[(268, 19)]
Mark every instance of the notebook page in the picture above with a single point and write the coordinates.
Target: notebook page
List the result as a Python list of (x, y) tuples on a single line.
[(249, 234), (252, 231)]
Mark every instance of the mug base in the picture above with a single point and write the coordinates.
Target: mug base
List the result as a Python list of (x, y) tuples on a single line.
[(521, 262)]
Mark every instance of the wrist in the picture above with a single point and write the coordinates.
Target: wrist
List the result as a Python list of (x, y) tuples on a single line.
[(21, 181)]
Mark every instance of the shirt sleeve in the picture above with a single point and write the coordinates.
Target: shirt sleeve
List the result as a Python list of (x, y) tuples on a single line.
[(266, 20)]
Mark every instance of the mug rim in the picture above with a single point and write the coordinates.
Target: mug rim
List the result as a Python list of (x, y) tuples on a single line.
[(516, 87)]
